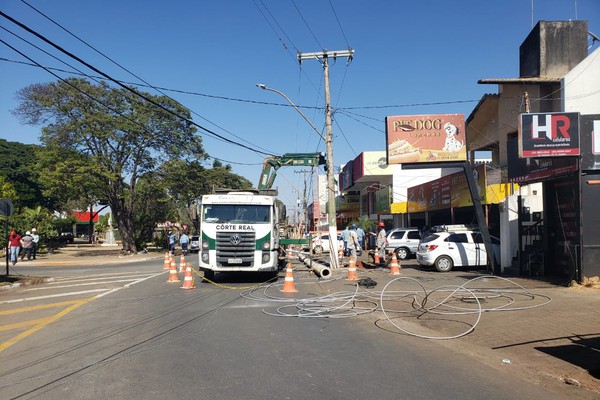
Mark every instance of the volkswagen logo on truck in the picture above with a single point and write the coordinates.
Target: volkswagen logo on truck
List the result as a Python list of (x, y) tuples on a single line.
[(235, 239)]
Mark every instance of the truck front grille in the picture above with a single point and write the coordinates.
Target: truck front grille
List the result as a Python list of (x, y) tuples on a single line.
[(235, 249)]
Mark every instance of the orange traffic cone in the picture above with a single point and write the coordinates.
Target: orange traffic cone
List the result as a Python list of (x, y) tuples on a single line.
[(182, 264), (394, 267), (173, 272), (167, 261), (376, 255), (352, 274), (188, 280), (288, 283), (341, 251)]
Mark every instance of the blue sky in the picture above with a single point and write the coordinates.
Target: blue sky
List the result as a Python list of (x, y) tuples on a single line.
[(411, 57)]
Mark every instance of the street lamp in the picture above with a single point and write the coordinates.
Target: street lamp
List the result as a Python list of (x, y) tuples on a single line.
[(265, 87), (330, 174)]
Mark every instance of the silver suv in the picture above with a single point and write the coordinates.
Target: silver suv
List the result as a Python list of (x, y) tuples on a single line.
[(404, 242)]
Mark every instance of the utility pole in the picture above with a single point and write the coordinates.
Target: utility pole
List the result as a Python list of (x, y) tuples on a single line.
[(331, 212), (304, 198)]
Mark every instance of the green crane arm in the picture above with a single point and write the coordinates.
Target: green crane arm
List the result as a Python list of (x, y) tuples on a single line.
[(272, 164)]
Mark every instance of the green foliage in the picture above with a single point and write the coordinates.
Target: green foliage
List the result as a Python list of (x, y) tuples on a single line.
[(17, 169), (123, 135), (365, 223)]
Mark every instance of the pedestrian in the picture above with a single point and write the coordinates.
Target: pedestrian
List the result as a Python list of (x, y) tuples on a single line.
[(345, 236), (172, 242), (361, 239), (27, 244), (36, 242), (184, 240), (14, 243), (381, 241), (352, 242)]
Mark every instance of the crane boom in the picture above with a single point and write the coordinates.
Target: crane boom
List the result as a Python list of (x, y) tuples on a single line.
[(272, 164)]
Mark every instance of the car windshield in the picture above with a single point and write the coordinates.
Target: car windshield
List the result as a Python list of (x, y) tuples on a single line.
[(237, 213)]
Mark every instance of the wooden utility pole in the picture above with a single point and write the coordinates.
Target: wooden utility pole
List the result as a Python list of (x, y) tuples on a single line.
[(323, 57)]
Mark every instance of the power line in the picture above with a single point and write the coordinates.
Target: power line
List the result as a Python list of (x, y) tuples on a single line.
[(306, 23), (131, 73), (339, 24), (23, 26)]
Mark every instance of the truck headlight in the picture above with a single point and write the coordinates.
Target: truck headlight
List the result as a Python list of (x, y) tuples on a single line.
[(266, 245), (265, 258), (205, 257), (205, 245)]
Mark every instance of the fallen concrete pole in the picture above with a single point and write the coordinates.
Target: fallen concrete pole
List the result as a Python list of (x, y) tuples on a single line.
[(319, 269)]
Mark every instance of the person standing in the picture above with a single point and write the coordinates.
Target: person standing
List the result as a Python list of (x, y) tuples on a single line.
[(172, 242), (27, 244), (381, 241), (36, 241), (352, 242), (184, 240), (14, 244), (345, 236), (361, 239)]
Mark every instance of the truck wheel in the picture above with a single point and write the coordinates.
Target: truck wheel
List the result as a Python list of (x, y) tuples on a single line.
[(444, 264), (210, 275), (402, 253)]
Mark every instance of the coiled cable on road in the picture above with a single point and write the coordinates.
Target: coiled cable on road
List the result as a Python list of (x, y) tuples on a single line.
[(460, 293), (442, 301)]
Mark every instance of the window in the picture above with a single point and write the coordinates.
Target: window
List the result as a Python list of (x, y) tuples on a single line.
[(397, 235), (457, 238), (414, 235)]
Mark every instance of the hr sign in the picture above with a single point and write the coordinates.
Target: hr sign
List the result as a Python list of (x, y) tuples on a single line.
[(549, 135)]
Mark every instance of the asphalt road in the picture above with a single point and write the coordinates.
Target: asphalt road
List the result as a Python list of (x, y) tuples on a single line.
[(123, 331)]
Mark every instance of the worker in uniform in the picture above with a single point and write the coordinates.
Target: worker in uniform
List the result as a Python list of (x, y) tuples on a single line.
[(381, 241)]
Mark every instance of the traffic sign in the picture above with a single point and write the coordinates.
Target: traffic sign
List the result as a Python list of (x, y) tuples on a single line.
[(6, 207)]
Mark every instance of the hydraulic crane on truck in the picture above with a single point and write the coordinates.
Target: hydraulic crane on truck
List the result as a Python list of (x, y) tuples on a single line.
[(272, 164)]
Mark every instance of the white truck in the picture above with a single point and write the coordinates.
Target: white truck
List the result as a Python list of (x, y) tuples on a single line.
[(239, 231)]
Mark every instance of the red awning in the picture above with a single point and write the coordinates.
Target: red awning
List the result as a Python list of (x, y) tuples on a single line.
[(84, 216)]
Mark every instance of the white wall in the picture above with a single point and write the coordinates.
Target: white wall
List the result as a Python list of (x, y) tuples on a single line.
[(581, 86)]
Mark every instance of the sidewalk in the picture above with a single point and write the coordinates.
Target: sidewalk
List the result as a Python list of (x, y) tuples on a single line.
[(79, 252)]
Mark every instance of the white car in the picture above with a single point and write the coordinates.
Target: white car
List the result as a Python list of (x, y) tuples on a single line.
[(446, 250), (403, 241), (320, 243)]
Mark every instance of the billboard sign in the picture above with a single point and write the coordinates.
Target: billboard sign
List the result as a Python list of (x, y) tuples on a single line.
[(425, 138), (590, 142), (549, 135)]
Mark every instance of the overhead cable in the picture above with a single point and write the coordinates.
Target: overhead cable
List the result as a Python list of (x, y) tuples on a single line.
[(133, 91)]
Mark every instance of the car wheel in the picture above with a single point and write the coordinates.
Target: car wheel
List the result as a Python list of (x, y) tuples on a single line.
[(210, 275), (318, 249), (402, 253), (444, 264)]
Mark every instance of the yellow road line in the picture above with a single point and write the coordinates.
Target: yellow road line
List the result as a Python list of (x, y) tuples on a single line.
[(45, 321), (40, 307)]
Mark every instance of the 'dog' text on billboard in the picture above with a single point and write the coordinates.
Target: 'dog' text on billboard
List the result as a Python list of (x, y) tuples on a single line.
[(425, 138)]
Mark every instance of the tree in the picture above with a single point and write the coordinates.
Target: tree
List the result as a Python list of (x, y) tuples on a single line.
[(17, 167), (124, 136)]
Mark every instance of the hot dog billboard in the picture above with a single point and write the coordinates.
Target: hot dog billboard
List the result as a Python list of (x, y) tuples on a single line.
[(425, 138)]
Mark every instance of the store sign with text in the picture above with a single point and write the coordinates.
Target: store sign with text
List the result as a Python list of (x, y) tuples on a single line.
[(425, 138), (549, 135)]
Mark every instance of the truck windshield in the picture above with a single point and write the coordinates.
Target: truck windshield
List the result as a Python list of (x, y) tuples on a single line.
[(238, 214)]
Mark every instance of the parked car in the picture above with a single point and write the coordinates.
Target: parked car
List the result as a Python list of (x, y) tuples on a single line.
[(320, 243), (403, 241), (463, 248), (194, 243)]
